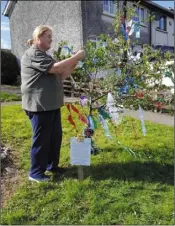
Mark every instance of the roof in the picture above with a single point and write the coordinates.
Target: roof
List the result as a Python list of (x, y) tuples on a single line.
[(153, 6), (149, 3)]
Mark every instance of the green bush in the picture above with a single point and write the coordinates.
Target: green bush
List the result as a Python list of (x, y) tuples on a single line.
[(10, 71)]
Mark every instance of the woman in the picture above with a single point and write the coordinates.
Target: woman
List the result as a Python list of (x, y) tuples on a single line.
[(42, 98)]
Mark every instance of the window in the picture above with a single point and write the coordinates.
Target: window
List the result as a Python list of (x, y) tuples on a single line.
[(142, 15), (162, 23), (109, 6)]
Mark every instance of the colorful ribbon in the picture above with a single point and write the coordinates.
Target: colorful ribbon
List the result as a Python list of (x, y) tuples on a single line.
[(70, 117), (83, 100), (103, 113), (91, 122), (81, 117), (168, 74), (105, 126)]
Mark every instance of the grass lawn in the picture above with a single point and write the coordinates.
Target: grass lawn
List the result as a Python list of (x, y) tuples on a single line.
[(118, 188), (6, 97)]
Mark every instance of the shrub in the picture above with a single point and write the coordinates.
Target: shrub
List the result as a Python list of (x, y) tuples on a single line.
[(10, 71)]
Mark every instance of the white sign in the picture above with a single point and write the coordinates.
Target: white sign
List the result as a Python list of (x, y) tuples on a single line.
[(80, 152)]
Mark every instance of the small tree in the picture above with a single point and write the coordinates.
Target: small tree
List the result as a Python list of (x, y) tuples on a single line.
[(110, 67), (139, 78), (131, 79)]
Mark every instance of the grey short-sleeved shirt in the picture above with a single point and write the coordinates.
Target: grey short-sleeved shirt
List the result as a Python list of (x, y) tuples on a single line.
[(40, 90)]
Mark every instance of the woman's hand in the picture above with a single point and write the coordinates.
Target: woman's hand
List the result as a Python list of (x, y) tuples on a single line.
[(65, 67), (80, 54)]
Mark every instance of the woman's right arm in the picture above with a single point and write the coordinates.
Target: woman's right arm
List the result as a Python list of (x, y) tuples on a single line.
[(65, 67)]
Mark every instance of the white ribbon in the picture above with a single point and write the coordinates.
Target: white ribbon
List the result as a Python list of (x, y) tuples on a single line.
[(142, 120), (113, 111)]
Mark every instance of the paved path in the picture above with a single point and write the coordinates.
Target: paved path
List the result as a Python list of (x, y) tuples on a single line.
[(66, 100), (163, 119), (159, 118), (11, 89)]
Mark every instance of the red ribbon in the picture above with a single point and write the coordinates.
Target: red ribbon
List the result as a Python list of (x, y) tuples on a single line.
[(70, 117), (81, 117), (159, 105), (139, 95), (122, 19)]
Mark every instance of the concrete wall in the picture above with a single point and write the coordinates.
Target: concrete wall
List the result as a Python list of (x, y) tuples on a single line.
[(63, 16)]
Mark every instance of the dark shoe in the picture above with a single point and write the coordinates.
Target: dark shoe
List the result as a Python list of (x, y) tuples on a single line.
[(58, 170), (43, 178)]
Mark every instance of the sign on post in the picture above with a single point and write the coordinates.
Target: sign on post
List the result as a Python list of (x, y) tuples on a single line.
[(80, 152)]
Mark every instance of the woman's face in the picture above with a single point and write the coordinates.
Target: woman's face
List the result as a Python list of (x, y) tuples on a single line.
[(45, 40)]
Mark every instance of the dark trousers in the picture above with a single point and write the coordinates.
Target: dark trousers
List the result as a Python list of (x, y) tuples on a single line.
[(46, 141)]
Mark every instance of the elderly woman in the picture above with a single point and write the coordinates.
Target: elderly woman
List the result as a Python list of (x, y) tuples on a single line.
[(42, 98)]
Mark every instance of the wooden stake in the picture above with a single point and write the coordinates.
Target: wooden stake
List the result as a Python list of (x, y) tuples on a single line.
[(80, 173)]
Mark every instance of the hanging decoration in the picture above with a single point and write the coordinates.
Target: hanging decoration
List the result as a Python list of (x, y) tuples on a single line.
[(142, 120), (123, 28), (136, 24), (105, 126), (114, 112), (103, 113), (139, 95), (159, 105), (83, 100), (127, 84), (70, 119), (130, 27), (70, 107), (168, 74)]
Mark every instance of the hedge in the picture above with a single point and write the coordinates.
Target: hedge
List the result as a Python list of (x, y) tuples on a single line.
[(10, 71)]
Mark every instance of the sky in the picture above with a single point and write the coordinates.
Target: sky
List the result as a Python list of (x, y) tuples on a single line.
[(5, 30)]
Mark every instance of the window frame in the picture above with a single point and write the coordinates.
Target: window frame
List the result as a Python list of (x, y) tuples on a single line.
[(141, 15), (142, 10), (109, 7), (164, 28)]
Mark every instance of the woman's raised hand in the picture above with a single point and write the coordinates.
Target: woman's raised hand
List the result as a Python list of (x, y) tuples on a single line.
[(80, 54)]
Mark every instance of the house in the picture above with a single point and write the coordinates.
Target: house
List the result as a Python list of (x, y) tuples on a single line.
[(161, 28), (78, 21)]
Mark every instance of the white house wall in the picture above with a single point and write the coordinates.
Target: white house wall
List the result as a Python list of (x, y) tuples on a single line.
[(63, 16), (163, 37)]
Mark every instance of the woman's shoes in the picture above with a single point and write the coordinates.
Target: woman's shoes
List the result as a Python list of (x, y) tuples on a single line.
[(43, 178)]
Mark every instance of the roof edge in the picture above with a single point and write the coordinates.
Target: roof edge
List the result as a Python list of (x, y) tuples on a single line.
[(8, 8), (153, 4)]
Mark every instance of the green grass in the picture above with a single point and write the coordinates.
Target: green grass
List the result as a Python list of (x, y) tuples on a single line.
[(6, 97), (118, 188)]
